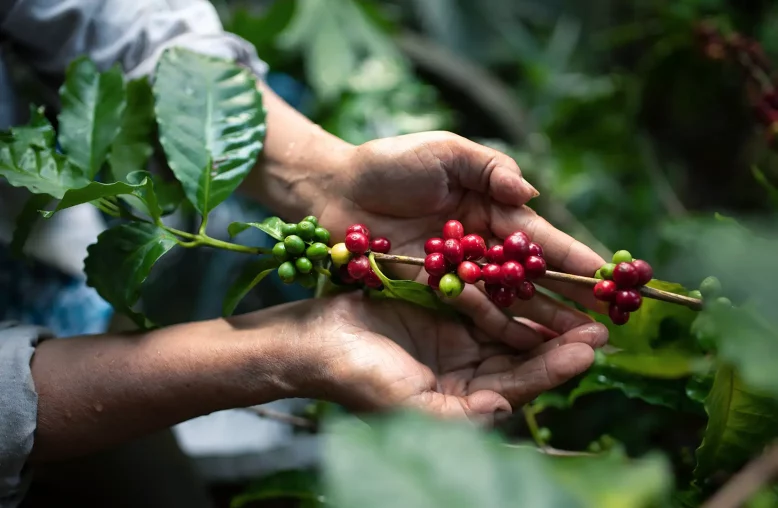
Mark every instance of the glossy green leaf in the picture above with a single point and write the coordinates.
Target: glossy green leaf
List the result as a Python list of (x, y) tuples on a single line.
[(251, 275), (271, 226), (410, 291), (211, 123), (92, 107), (121, 260), (38, 132), (132, 147), (667, 364), (25, 222), (741, 421), (301, 485)]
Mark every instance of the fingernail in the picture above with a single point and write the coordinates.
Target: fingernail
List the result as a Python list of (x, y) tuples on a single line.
[(535, 192)]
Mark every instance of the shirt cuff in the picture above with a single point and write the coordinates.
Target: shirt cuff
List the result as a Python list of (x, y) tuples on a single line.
[(19, 413)]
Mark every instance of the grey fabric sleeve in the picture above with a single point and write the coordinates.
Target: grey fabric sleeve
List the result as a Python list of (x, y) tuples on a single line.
[(18, 408)]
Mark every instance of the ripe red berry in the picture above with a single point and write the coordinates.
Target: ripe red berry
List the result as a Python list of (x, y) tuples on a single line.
[(435, 264), (503, 296), (358, 267), (492, 273), (535, 249), (358, 228), (605, 290), (474, 247), (496, 255), (433, 245), (516, 246), (345, 277), (512, 273), (645, 272), (357, 242), (453, 229), (469, 272), (380, 245), (433, 281), (534, 267), (371, 280), (625, 275), (628, 300), (453, 252), (618, 316), (526, 290)]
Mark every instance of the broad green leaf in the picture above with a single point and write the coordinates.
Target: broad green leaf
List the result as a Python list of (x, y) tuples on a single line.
[(251, 275), (211, 124), (410, 291), (300, 485), (38, 132), (92, 107), (25, 222), (132, 147), (772, 191), (121, 260), (667, 364), (741, 421), (271, 226)]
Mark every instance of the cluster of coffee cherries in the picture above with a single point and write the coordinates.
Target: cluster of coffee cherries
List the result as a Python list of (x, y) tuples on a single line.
[(453, 261), (350, 256), (621, 284), (303, 248)]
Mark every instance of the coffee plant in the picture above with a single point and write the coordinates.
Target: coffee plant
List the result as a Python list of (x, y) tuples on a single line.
[(689, 351)]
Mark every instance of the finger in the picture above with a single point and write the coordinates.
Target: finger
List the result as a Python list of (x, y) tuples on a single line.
[(478, 406), (550, 313), (594, 335)]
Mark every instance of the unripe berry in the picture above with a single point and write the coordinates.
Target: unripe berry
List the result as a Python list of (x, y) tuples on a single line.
[(622, 256), (710, 287), (357, 242), (516, 246), (279, 252), (618, 316), (345, 277), (433, 281), (695, 294), (294, 245), (526, 290), (722, 302), (372, 281), (433, 245), (492, 274), (340, 254), (322, 235), (598, 275), (358, 228), (307, 280), (535, 249), (645, 272), (303, 265), (628, 300), (512, 273), (453, 229), (607, 270), (452, 250), (496, 255), (469, 272), (474, 247), (288, 229), (435, 264), (306, 230), (451, 286), (605, 290), (625, 276), (312, 219), (380, 245), (316, 251), (502, 296), (534, 267), (287, 272), (358, 267)]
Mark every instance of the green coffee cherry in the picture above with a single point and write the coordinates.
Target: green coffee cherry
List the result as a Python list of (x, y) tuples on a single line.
[(607, 270), (279, 252), (722, 302), (287, 272), (307, 280), (622, 256), (322, 235), (316, 252), (451, 286), (294, 245), (710, 287), (695, 294), (598, 274), (312, 219), (288, 229), (305, 230), (340, 254), (303, 265)]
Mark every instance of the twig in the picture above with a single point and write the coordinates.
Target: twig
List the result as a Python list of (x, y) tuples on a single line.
[(648, 292), (297, 421), (747, 482), (554, 452)]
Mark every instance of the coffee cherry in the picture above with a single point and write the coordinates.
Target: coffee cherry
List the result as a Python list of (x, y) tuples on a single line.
[(618, 316), (316, 251), (598, 275), (695, 294), (288, 229), (628, 300), (722, 302), (535, 249), (625, 275), (372, 281), (279, 252), (451, 286), (433, 245), (306, 230), (492, 274), (512, 273), (357, 243), (534, 267), (474, 247), (496, 255), (380, 245), (526, 290), (294, 245), (645, 272), (605, 290), (502, 296), (433, 281), (435, 264), (307, 280), (322, 235), (358, 267), (516, 246), (710, 287), (607, 270), (312, 219), (453, 252), (358, 228), (344, 276), (287, 272), (622, 256), (340, 254), (469, 272), (453, 229), (303, 265)]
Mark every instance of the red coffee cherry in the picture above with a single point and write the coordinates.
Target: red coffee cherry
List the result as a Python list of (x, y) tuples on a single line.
[(645, 272), (534, 267), (345, 277), (453, 229), (526, 290), (618, 316), (502, 296), (359, 266), (625, 275), (435, 264), (469, 272), (380, 245), (492, 274), (496, 255), (605, 290), (516, 246), (357, 242), (535, 249), (474, 247), (628, 300), (433, 245), (512, 273), (371, 280), (358, 228), (453, 252), (433, 281)]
